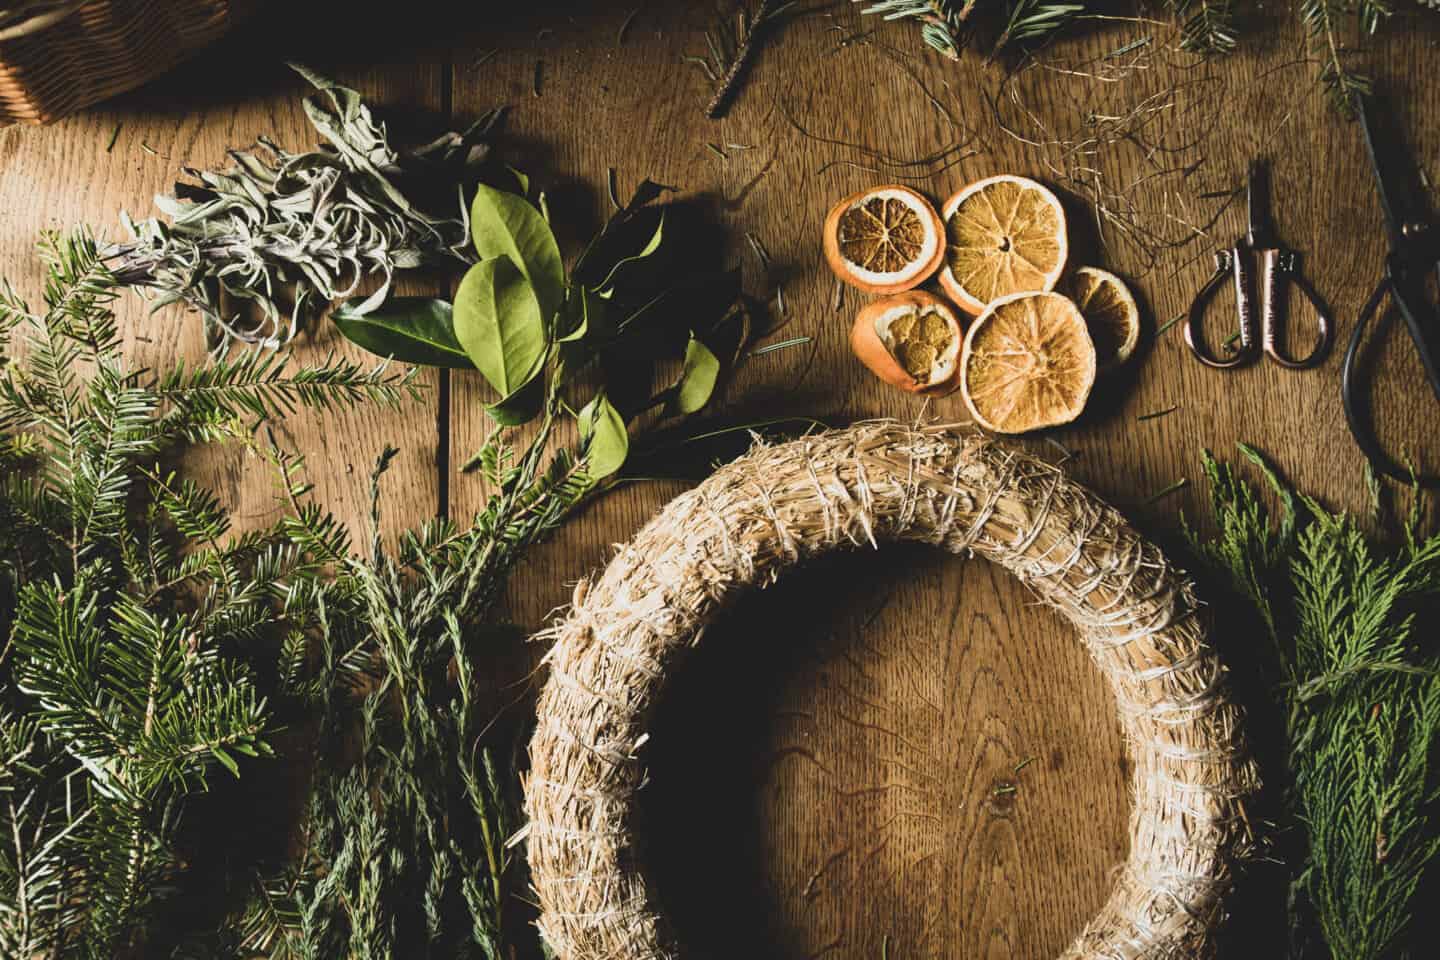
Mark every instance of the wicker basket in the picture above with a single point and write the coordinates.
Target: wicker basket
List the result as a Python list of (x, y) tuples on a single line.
[(57, 56)]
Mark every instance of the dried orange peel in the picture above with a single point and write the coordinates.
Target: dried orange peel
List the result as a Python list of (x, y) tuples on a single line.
[(910, 340), (1110, 312), (1028, 363), (884, 240), (1004, 234)]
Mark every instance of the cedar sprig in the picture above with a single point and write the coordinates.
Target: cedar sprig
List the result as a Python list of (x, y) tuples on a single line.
[(1359, 693)]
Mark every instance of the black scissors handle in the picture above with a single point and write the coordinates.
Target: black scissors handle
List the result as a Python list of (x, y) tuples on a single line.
[(1357, 403)]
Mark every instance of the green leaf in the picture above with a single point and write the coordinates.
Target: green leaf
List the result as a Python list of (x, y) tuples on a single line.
[(506, 225), (621, 267), (417, 330), (498, 322), (697, 380), (607, 442), (522, 406)]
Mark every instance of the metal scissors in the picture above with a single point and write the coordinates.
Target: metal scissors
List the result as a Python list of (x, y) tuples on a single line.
[(1278, 270), (1414, 257)]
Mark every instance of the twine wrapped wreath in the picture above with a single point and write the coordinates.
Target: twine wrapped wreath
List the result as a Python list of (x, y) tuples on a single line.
[(868, 485)]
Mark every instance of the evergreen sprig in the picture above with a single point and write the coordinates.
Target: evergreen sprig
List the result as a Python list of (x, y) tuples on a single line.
[(1208, 27), (124, 600), (1358, 687)]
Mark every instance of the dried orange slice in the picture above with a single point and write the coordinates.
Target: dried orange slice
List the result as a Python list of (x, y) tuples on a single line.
[(1004, 234), (1028, 363), (911, 340), (884, 240), (1110, 312)]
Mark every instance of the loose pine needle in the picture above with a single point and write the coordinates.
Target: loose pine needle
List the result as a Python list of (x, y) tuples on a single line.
[(1161, 494), (1156, 414), (1024, 763), (1168, 324), (779, 345), (1065, 453), (114, 136), (625, 27), (715, 149), (1130, 47), (613, 187)]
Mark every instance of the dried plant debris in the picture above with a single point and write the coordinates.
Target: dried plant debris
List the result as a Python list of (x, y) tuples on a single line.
[(287, 232), (1148, 112), (731, 45)]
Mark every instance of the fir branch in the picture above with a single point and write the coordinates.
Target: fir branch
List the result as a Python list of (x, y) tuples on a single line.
[(1207, 26), (941, 21), (1029, 21), (731, 50), (1322, 19)]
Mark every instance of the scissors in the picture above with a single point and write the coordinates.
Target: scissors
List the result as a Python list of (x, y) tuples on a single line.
[(1414, 256), (1278, 269)]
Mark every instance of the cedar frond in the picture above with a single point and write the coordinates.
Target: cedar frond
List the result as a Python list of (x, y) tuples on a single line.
[(1360, 696)]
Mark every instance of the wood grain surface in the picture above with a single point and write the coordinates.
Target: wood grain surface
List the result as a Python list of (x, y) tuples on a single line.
[(897, 753)]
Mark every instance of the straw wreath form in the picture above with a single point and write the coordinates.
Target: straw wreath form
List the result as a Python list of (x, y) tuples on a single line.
[(866, 486)]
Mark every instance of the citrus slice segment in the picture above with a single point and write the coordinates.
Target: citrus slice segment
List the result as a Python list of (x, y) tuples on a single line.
[(884, 240), (910, 340), (1028, 362), (1110, 313), (1004, 234)]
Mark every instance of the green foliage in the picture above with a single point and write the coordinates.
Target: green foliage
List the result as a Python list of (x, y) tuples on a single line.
[(419, 330), (1325, 23), (122, 602), (1206, 27), (531, 330), (1358, 686), (287, 232)]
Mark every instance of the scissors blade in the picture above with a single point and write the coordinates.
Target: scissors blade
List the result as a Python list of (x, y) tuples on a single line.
[(1396, 177), (1257, 197)]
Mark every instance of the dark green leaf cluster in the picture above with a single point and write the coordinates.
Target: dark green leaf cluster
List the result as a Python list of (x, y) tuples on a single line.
[(127, 608), (1357, 681), (532, 331)]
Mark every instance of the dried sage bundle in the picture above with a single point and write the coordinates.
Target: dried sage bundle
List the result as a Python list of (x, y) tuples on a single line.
[(286, 231)]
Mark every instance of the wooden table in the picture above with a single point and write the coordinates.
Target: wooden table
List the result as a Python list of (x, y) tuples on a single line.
[(902, 750)]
